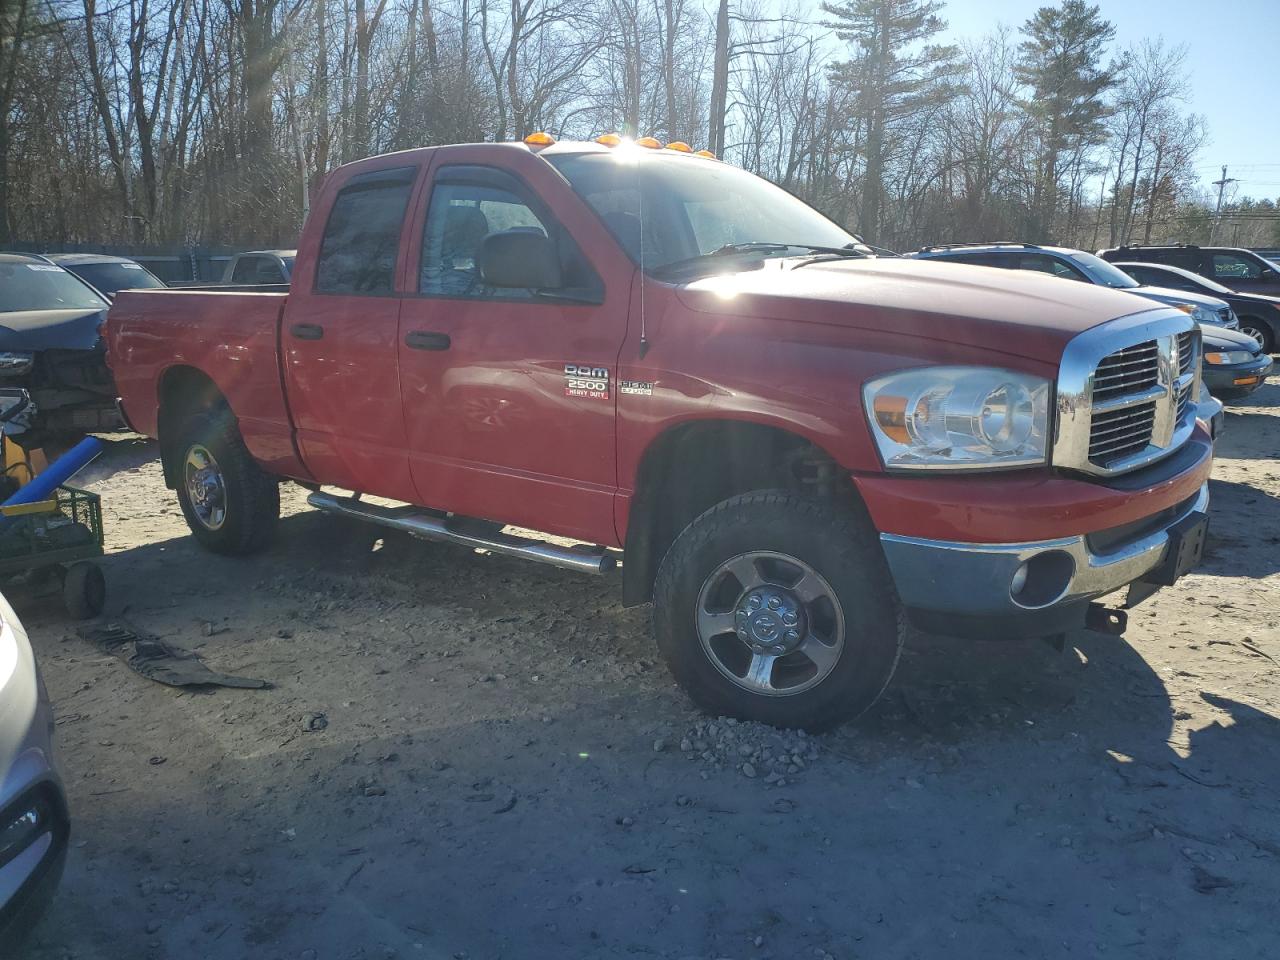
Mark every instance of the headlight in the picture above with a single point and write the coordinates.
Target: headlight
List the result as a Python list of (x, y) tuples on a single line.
[(1224, 357), (15, 361), (1195, 312), (935, 418)]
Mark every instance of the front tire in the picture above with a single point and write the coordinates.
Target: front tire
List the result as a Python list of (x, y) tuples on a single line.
[(1259, 331), (777, 607), (230, 504)]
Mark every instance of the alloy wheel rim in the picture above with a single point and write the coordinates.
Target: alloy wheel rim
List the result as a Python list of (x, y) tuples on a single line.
[(770, 623), (1258, 336), (206, 488)]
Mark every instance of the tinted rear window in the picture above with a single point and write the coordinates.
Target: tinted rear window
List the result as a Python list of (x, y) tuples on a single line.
[(362, 238)]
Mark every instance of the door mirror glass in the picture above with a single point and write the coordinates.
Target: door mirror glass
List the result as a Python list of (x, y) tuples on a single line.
[(519, 259)]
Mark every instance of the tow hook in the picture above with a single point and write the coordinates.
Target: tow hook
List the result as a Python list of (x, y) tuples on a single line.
[(1103, 619)]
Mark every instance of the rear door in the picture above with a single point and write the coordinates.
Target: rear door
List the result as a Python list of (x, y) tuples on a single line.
[(339, 339), (1242, 271), (509, 395)]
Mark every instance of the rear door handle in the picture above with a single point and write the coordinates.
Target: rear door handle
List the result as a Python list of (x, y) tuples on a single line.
[(307, 331), (426, 340)]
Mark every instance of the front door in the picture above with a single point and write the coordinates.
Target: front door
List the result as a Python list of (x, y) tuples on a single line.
[(509, 395), (339, 341)]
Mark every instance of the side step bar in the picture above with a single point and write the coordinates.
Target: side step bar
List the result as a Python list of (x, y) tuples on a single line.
[(596, 560)]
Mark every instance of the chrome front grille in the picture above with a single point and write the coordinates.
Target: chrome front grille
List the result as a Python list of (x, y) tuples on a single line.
[(1117, 434), (1127, 371), (1125, 393)]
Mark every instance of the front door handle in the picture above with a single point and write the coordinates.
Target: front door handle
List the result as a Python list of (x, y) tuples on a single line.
[(307, 331), (426, 340)]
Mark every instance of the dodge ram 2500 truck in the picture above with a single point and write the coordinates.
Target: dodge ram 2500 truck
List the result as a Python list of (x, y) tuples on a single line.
[(795, 448)]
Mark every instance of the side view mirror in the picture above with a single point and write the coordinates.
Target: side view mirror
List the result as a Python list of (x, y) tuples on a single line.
[(1268, 274), (519, 259)]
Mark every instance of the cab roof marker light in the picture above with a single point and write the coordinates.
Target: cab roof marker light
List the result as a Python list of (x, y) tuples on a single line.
[(609, 139), (540, 139), (679, 146), (705, 153), (649, 143)]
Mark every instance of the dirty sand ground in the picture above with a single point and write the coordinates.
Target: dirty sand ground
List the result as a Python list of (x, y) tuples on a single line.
[(501, 774)]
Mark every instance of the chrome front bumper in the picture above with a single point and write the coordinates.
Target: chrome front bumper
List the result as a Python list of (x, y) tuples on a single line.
[(971, 586)]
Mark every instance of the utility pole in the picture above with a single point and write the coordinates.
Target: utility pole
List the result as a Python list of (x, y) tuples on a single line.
[(1217, 211)]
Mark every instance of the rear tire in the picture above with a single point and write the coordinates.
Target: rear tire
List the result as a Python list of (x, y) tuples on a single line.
[(230, 504), (779, 608)]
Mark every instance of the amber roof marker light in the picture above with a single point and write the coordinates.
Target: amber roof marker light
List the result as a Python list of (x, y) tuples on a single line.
[(609, 139), (679, 146), (539, 139), (649, 143)]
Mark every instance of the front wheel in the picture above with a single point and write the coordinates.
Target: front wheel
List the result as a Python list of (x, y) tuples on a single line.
[(1259, 331), (779, 608), (230, 504)]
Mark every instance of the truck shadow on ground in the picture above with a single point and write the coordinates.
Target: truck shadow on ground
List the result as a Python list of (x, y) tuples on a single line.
[(1241, 515)]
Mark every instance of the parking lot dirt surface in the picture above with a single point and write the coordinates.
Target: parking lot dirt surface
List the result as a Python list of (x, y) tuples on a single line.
[(470, 756)]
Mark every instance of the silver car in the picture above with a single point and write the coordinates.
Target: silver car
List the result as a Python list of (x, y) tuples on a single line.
[(33, 810)]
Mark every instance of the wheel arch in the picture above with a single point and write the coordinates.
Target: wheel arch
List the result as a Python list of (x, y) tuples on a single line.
[(181, 391), (1267, 323), (695, 464)]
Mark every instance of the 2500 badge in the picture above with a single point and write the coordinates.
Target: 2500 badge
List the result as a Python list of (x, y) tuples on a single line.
[(588, 382)]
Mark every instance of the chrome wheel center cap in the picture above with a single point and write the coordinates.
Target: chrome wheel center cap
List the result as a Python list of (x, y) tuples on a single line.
[(770, 621)]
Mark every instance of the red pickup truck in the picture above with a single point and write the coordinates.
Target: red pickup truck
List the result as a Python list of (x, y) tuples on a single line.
[(793, 446)]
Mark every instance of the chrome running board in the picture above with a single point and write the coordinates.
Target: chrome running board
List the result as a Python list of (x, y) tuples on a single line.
[(412, 520)]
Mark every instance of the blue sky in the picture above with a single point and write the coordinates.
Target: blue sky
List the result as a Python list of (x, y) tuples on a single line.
[(1233, 52), (1233, 57)]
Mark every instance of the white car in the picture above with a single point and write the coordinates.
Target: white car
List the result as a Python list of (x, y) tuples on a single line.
[(34, 826)]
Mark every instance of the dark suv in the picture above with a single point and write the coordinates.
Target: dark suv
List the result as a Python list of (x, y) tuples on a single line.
[(1233, 267)]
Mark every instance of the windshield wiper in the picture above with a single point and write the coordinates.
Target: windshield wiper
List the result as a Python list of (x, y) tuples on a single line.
[(759, 247)]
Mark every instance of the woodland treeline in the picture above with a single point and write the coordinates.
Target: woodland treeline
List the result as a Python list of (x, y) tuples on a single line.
[(213, 121)]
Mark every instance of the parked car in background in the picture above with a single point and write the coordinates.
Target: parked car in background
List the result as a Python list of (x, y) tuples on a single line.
[(1235, 267), (260, 267), (107, 274), (50, 345), (1234, 364), (1082, 266), (34, 827), (1258, 313)]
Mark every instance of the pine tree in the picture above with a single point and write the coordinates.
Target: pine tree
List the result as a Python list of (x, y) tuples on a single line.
[(894, 74), (1061, 64)]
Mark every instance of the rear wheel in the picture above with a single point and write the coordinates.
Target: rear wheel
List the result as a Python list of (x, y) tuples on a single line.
[(1260, 331), (776, 607), (230, 504)]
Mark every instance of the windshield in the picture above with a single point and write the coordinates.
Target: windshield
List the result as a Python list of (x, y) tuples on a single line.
[(1100, 271), (42, 286), (670, 209), (110, 278)]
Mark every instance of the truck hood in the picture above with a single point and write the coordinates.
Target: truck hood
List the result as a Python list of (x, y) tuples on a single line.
[(50, 329), (1013, 312)]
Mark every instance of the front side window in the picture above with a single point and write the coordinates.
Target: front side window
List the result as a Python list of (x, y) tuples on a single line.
[(459, 217), (1232, 266), (1045, 264), (362, 238)]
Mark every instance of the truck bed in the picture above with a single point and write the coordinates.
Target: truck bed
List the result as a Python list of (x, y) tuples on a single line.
[(230, 336)]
